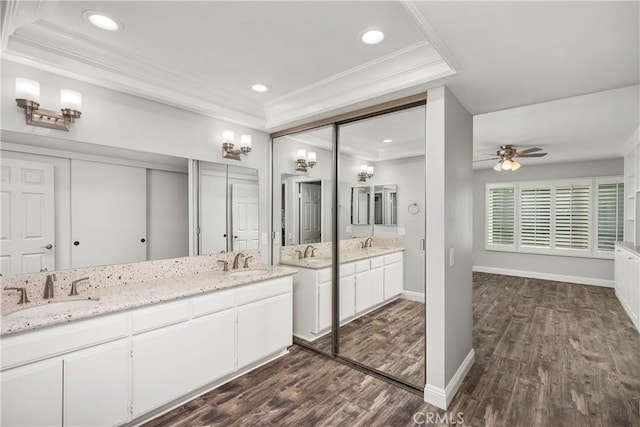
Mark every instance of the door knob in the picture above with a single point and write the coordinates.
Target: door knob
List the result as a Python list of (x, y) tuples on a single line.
[(49, 246), (143, 240), (76, 243)]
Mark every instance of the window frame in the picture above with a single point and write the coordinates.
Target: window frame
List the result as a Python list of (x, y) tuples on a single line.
[(518, 186)]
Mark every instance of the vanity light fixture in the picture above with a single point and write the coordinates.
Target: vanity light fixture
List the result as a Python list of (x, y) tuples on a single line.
[(365, 173), (228, 144), (304, 160), (28, 98)]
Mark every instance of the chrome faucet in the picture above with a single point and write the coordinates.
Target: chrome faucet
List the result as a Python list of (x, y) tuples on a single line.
[(74, 286), (306, 251), (48, 286), (368, 243), (236, 259), (246, 261), (23, 294)]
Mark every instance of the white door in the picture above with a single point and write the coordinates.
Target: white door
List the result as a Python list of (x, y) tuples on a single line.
[(100, 374), (252, 339), (213, 212), (108, 214), (310, 212), (32, 395), (28, 213), (244, 216)]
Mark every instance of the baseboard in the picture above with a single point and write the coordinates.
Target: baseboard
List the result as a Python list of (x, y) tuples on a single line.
[(413, 296), (546, 276), (443, 397)]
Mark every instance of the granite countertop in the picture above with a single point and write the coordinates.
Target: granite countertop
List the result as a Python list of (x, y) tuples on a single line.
[(630, 247), (317, 263), (113, 299)]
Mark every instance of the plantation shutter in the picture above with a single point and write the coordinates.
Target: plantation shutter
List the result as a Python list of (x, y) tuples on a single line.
[(535, 217), (610, 215), (501, 216), (572, 205)]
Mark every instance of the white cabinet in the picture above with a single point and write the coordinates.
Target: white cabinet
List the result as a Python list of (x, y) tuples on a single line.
[(96, 386), (214, 337), (364, 285), (279, 323), (251, 332), (627, 282), (32, 395)]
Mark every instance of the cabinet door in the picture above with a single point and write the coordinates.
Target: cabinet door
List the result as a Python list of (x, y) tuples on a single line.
[(377, 286), (347, 297), (363, 291), (212, 354), (96, 386), (324, 306), (160, 373), (633, 286), (279, 323), (620, 258), (32, 395), (392, 280), (252, 333)]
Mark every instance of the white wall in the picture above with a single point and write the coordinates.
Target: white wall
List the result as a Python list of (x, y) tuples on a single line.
[(120, 120), (408, 174), (449, 226), (584, 270)]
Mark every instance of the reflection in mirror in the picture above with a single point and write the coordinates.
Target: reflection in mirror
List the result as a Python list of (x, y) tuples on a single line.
[(360, 201), (382, 282), (228, 208), (126, 205), (302, 200), (385, 205)]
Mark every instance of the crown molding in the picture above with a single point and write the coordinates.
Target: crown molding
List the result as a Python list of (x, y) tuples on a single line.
[(15, 14)]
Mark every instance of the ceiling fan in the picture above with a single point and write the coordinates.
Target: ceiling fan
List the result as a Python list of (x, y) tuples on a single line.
[(507, 154)]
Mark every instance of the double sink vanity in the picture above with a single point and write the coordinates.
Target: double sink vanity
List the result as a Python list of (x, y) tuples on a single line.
[(138, 338)]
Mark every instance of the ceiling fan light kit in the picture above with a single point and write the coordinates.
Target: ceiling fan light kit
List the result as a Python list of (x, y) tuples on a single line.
[(507, 154)]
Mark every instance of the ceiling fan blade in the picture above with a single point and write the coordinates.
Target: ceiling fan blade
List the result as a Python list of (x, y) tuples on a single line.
[(529, 150), (531, 155), (484, 160)]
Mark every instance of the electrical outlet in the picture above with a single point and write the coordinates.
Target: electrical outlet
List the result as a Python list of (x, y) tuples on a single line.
[(452, 253)]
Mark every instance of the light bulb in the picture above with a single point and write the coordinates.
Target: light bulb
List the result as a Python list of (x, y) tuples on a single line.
[(70, 99), (302, 154), (245, 141), (311, 156), (498, 167), (370, 170), (506, 165), (227, 136), (363, 168), (27, 89), (515, 165)]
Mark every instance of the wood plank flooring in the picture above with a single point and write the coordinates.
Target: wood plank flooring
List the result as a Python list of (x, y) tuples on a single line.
[(547, 354)]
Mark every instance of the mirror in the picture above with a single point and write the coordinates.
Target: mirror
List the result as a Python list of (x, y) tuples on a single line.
[(228, 208), (126, 205), (385, 204), (382, 288), (360, 201)]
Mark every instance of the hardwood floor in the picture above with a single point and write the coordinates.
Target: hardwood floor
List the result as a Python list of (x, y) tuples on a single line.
[(390, 339), (547, 354)]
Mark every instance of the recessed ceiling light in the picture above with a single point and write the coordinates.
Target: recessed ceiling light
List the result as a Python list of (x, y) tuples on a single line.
[(259, 88), (386, 141), (372, 36), (102, 20)]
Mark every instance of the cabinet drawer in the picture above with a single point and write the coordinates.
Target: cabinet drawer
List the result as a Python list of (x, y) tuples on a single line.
[(156, 317), (377, 262), (390, 259), (269, 288), (213, 303), (49, 342), (362, 266), (347, 269), (324, 275)]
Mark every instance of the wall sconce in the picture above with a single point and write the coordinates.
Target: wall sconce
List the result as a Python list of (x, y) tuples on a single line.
[(28, 98), (228, 152), (365, 173), (304, 160)]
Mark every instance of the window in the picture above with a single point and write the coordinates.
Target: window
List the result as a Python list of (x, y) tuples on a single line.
[(581, 217), (500, 215)]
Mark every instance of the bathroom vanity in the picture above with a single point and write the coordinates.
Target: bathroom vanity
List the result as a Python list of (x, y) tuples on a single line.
[(140, 349)]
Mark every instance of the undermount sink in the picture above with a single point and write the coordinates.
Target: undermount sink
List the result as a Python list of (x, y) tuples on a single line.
[(248, 273), (316, 260), (376, 249), (51, 308)]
